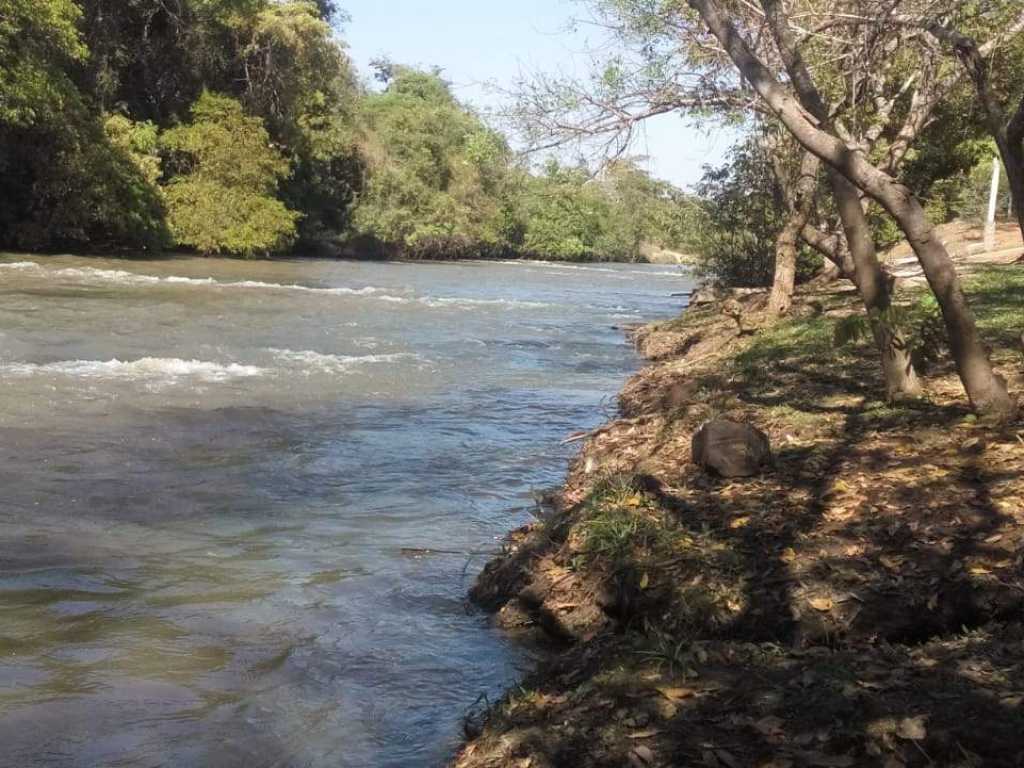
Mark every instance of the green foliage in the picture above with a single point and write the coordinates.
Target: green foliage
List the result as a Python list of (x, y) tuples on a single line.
[(110, 137), (94, 85), (644, 212), (83, 191), (436, 171), (39, 41), (967, 194), (742, 213), (213, 218), (614, 217), (620, 521), (565, 215), (139, 142), (225, 173), (65, 183)]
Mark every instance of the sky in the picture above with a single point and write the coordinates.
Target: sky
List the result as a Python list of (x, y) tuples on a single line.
[(480, 42)]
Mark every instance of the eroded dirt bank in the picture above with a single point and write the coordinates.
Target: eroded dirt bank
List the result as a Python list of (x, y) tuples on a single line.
[(860, 604)]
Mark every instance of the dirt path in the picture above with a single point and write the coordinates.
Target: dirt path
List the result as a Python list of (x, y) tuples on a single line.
[(966, 245)]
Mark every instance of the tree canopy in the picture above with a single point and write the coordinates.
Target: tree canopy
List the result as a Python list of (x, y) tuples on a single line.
[(241, 127)]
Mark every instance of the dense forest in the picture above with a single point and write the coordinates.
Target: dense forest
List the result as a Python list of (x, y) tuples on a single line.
[(240, 127)]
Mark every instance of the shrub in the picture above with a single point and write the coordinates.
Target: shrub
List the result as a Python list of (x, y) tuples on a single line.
[(225, 174)]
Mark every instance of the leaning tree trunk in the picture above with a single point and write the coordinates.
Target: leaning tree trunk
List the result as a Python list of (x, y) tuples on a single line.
[(985, 389), (833, 247), (875, 290)]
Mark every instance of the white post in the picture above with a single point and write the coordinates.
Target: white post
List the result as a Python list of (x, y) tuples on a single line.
[(993, 201)]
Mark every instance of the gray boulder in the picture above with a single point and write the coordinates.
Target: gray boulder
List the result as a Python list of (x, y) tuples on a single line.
[(731, 449)]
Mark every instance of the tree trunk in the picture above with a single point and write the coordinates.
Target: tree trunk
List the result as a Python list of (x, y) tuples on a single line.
[(875, 290), (986, 391), (799, 201), (833, 247), (1014, 161), (829, 274), (784, 282)]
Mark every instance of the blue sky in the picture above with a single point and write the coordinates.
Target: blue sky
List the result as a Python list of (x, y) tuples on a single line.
[(486, 41)]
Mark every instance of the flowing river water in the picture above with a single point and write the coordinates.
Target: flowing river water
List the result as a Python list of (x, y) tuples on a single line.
[(209, 470)]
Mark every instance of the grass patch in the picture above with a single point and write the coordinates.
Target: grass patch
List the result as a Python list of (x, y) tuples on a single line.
[(799, 342), (997, 295), (820, 343), (622, 522)]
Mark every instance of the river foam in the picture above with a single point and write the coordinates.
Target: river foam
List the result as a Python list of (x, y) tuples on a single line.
[(310, 362), (168, 370), (123, 277), (120, 277), (585, 268), (146, 368)]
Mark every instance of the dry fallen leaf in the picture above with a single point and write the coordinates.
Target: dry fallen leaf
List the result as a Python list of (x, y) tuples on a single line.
[(912, 728), (645, 734), (822, 603), (677, 694), (891, 562)]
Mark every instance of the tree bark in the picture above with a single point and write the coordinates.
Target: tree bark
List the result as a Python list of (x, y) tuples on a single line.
[(1014, 162), (799, 201), (784, 281), (833, 247), (875, 290), (986, 391)]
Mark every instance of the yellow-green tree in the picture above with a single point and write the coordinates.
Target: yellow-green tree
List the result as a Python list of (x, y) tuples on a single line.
[(224, 178)]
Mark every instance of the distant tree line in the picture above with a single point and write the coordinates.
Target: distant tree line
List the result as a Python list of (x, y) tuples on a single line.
[(240, 127)]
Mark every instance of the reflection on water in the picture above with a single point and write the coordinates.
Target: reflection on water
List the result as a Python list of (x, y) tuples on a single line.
[(210, 470)]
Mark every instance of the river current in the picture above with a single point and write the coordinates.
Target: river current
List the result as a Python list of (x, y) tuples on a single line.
[(212, 473)]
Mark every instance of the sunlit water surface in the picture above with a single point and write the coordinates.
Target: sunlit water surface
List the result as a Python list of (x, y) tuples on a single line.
[(209, 470)]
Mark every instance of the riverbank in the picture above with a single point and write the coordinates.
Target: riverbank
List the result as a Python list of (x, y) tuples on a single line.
[(859, 604)]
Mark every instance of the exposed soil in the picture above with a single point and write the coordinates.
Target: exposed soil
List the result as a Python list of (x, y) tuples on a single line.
[(859, 604)]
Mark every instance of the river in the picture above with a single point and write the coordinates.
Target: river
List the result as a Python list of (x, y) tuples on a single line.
[(211, 469)]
